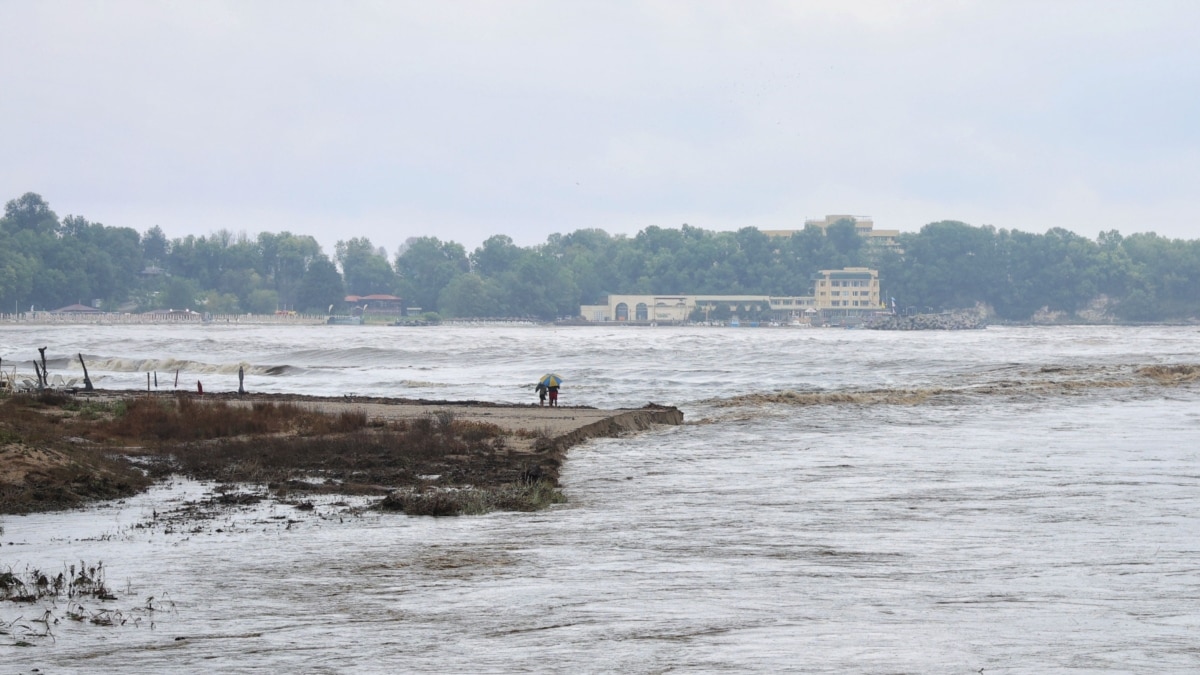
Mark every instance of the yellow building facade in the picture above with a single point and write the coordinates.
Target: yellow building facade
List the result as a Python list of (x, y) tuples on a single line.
[(848, 288), (863, 225), (848, 291)]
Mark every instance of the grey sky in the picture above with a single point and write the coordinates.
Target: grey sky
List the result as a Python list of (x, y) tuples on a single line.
[(467, 119)]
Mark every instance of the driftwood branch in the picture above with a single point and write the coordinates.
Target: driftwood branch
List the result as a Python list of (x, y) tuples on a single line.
[(45, 371), (87, 381)]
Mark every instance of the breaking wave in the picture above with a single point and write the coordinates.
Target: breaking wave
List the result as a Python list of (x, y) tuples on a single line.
[(119, 365), (807, 398), (1045, 381), (1179, 374), (351, 356)]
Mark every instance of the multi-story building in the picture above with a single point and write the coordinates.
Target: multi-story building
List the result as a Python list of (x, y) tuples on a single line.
[(835, 293), (855, 288), (863, 225)]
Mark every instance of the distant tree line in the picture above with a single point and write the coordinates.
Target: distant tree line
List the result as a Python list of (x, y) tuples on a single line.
[(47, 262), (1141, 277)]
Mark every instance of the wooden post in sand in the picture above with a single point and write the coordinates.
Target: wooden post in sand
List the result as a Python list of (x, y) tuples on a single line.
[(87, 381)]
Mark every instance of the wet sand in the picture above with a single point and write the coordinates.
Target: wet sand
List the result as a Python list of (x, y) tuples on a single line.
[(567, 425)]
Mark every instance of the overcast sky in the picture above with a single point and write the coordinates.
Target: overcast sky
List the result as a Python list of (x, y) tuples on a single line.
[(466, 119)]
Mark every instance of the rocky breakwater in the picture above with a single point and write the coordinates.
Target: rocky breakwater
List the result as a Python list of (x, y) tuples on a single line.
[(964, 320)]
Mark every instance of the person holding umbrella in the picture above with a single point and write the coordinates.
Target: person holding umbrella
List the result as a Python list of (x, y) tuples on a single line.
[(550, 383)]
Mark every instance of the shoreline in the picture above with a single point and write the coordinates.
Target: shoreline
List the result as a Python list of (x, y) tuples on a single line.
[(561, 421)]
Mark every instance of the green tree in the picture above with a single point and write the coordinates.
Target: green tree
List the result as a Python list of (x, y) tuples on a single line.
[(846, 243), (284, 258), (16, 278), (220, 303), (498, 255), (155, 246), (262, 301), (30, 212), (366, 270), (950, 265), (321, 286), (426, 265), (180, 293), (468, 295)]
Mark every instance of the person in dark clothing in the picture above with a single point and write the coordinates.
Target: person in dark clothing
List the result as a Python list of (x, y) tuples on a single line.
[(541, 391), (553, 397)]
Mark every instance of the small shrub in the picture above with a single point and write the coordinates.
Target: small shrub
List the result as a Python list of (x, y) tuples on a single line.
[(90, 410), (185, 419), (474, 432), (444, 419), (426, 503), (474, 501)]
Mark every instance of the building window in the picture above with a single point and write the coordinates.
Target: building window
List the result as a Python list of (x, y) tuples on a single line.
[(622, 312)]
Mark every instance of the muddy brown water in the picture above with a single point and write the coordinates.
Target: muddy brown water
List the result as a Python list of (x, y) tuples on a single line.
[(1012, 500)]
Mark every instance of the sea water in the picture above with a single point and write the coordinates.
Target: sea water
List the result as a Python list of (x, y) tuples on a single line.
[(1016, 500)]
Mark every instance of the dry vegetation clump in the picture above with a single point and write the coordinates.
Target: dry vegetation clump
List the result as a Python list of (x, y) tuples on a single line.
[(32, 584), (388, 455), (77, 586), (185, 419), (440, 434), (525, 496)]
